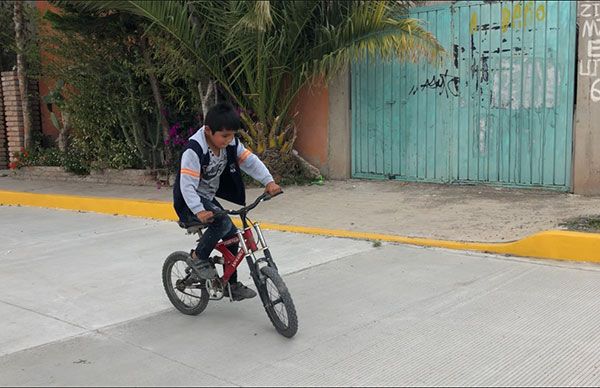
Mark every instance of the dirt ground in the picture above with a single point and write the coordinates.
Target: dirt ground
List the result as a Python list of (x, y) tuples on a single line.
[(465, 213), (449, 212)]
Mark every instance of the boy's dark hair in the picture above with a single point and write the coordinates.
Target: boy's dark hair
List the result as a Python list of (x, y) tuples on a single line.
[(221, 117)]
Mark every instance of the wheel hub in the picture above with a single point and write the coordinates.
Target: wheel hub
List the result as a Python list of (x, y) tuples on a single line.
[(180, 285)]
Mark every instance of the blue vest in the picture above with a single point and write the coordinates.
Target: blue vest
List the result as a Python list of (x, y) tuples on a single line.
[(231, 185)]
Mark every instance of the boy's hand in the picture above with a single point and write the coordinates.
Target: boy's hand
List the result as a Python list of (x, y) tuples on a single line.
[(272, 188), (205, 216)]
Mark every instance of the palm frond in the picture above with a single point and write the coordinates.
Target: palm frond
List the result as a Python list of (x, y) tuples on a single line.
[(370, 30), (174, 18), (255, 16), (263, 52)]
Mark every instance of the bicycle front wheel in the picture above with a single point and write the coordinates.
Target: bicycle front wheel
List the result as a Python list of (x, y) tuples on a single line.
[(278, 303), (185, 293)]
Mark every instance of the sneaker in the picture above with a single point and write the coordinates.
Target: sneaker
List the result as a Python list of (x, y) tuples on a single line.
[(202, 269), (239, 292)]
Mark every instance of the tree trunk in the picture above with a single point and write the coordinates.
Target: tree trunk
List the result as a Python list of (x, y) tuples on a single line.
[(22, 72), (311, 171), (157, 98), (64, 131), (205, 97), (211, 88)]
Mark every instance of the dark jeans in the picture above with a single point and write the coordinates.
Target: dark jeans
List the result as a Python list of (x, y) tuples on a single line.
[(220, 228)]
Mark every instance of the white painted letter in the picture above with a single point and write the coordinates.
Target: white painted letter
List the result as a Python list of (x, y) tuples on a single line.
[(594, 48), (588, 70), (584, 8), (590, 28)]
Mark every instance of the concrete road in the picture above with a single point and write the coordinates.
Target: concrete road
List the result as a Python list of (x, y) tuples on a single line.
[(82, 303)]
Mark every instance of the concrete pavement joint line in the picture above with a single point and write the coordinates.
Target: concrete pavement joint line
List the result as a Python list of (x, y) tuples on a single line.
[(79, 237), (87, 331), (134, 319), (100, 332), (553, 244), (142, 348), (45, 315)]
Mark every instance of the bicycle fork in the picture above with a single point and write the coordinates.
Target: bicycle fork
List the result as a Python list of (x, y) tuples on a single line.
[(256, 265)]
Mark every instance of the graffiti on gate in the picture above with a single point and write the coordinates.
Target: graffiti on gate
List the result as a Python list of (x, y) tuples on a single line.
[(590, 33), (443, 82), (520, 16)]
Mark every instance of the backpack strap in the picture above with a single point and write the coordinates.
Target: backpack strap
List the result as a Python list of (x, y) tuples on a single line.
[(231, 185), (203, 157)]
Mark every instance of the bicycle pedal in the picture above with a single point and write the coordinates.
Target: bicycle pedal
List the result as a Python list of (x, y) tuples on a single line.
[(214, 288)]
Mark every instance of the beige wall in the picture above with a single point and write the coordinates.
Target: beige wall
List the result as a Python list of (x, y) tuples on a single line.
[(586, 136), (339, 151)]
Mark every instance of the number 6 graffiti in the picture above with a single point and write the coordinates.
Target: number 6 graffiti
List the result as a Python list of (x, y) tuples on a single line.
[(595, 91)]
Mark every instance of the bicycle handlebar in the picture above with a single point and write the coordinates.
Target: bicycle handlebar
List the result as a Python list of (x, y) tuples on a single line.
[(246, 209)]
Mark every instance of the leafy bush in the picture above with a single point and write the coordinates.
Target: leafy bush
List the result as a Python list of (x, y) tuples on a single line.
[(107, 62), (76, 158)]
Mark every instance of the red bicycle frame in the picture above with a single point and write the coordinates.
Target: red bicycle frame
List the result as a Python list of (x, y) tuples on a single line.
[(231, 262)]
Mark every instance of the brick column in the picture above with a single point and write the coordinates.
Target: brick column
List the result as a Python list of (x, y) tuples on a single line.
[(3, 148), (13, 116)]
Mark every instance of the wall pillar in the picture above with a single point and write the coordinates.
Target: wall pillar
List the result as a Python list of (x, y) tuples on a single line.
[(586, 129), (339, 147), (3, 145), (13, 112)]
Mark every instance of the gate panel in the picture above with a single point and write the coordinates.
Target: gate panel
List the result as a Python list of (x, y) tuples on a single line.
[(498, 109)]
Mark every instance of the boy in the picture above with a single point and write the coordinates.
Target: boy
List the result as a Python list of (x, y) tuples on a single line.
[(210, 166)]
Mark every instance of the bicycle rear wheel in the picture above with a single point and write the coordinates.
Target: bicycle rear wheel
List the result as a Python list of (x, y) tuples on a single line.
[(188, 296), (278, 303)]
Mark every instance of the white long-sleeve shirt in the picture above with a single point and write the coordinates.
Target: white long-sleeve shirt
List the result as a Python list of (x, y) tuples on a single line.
[(195, 183)]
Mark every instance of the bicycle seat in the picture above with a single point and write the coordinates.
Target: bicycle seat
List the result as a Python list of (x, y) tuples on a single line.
[(192, 226)]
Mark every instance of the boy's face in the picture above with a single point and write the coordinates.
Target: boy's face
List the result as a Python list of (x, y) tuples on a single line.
[(220, 139)]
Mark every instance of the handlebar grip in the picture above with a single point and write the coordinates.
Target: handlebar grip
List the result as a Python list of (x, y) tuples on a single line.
[(218, 213), (267, 196)]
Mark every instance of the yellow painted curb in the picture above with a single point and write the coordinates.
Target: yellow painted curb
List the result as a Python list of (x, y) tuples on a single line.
[(553, 244)]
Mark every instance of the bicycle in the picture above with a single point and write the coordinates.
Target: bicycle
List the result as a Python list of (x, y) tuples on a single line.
[(196, 293)]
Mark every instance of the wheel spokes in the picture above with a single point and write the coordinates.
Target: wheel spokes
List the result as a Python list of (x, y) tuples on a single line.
[(189, 298), (275, 300)]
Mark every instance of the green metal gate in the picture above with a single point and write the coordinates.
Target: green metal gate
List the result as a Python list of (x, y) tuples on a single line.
[(497, 110)]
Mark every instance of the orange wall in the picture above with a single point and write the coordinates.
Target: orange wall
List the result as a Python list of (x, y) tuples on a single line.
[(312, 124), (45, 83)]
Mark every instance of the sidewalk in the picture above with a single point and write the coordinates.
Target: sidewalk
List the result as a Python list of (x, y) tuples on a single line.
[(429, 211)]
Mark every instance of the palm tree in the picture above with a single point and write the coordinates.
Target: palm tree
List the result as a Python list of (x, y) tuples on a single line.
[(262, 53)]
